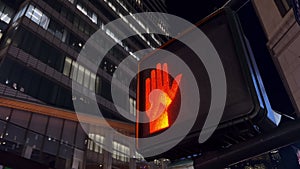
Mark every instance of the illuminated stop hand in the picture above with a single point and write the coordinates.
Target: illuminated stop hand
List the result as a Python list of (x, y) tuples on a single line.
[(158, 102), (159, 95)]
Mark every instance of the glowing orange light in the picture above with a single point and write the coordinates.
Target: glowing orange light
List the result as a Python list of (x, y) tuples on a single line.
[(157, 104)]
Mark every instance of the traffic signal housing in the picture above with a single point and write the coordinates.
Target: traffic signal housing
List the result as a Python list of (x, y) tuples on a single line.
[(247, 111)]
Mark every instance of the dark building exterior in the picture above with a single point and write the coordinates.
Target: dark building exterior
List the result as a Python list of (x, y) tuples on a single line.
[(281, 29), (40, 42)]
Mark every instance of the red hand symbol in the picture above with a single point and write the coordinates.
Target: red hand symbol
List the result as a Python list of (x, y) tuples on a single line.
[(159, 95)]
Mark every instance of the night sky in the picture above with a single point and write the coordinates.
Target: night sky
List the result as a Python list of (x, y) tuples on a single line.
[(195, 10)]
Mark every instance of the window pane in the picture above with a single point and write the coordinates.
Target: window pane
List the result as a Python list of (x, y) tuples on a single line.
[(28, 41), (50, 146), (20, 118), (105, 90), (34, 85), (67, 66), (29, 11), (2, 6), (74, 70), (24, 83), (4, 113), (65, 35), (92, 82), (70, 17), (69, 132), (64, 98), (81, 26), (75, 43), (38, 123), (5, 70), (44, 21), (94, 18), (87, 29), (16, 71), (97, 85), (76, 22), (53, 55), (7, 15), (36, 15), (134, 107), (2, 127), (54, 127), (56, 29), (15, 133), (63, 11), (53, 94), (34, 139), (80, 137), (131, 104), (68, 100), (80, 74), (23, 11), (66, 152), (87, 75), (46, 89)]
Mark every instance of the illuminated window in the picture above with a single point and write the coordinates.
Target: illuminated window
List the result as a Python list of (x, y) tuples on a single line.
[(81, 8), (87, 75), (132, 106), (74, 70), (29, 11), (96, 143), (37, 16), (80, 74), (91, 142), (44, 21), (138, 156), (67, 66), (90, 14), (99, 143), (120, 152), (138, 2), (6, 13), (92, 82)]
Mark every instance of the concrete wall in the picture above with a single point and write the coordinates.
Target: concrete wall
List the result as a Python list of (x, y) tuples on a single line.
[(283, 35), (268, 14), (288, 61)]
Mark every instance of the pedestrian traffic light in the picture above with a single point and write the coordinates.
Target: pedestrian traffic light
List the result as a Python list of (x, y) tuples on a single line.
[(246, 113), (159, 79)]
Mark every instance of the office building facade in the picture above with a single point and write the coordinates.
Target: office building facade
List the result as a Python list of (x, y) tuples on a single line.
[(40, 42)]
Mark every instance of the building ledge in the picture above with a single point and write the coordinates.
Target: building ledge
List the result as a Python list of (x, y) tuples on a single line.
[(65, 114), (284, 34)]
